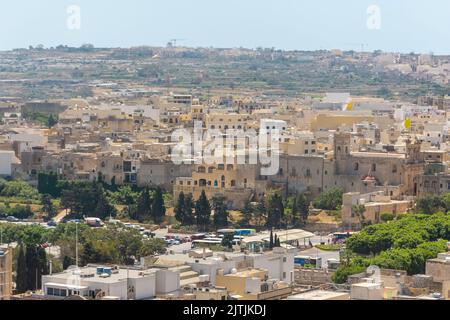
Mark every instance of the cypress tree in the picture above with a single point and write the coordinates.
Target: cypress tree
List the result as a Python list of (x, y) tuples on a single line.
[(179, 209), (271, 240), (144, 206), (220, 212), (32, 265), (202, 210), (42, 267), (247, 214), (21, 274), (158, 207), (189, 210)]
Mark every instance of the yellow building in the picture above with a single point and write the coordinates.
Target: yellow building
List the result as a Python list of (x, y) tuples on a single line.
[(225, 121), (237, 183), (252, 284), (334, 121), (375, 204)]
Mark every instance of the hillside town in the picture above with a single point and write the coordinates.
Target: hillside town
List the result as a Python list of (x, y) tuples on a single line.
[(177, 173)]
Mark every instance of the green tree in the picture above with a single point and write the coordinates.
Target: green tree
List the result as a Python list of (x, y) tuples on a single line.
[(330, 200), (51, 121), (144, 206), (227, 240), (158, 207), (203, 211), (260, 212), (275, 211), (247, 214), (276, 242), (343, 272), (47, 206), (103, 208), (179, 209), (271, 240), (189, 217), (359, 210), (387, 216), (429, 204), (21, 271), (67, 262), (445, 201), (303, 208), (220, 211), (48, 184), (19, 189), (152, 246)]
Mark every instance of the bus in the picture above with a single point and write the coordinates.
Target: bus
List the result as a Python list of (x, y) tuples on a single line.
[(237, 232), (206, 243), (342, 236), (302, 261), (198, 236)]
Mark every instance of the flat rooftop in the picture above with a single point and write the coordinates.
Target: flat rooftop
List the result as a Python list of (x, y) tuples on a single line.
[(89, 274), (320, 295)]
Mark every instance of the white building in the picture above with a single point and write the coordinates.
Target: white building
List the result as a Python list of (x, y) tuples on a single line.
[(97, 282), (7, 158)]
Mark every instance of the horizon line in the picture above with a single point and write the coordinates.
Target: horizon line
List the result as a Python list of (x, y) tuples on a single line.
[(224, 48)]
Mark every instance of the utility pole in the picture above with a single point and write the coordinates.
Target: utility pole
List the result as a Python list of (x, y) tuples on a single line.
[(76, 244), (128, 283)]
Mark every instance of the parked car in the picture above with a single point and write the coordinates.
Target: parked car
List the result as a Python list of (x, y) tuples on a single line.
[(12, 219), (52, 223)]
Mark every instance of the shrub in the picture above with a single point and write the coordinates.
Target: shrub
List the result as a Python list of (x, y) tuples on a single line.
[(387, 216), (330, 200), (343, 272)]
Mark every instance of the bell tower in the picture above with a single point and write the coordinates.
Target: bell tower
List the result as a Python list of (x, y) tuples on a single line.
[(342, 147)]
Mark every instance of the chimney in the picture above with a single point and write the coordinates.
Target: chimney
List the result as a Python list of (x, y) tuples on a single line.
[(204, 254)]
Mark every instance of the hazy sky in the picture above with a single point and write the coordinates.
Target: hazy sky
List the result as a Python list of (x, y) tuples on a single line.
[(406, 25)]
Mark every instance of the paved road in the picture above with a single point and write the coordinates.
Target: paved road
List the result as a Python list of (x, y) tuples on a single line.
[(61, 215)]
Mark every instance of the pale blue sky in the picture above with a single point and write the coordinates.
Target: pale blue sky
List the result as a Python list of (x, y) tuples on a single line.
[(406, 25)]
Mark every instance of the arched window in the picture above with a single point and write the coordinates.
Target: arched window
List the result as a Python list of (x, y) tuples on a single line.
[(356, 166), (201, 169), (233, 183), (394, 168), (210, 170), (374, 167)]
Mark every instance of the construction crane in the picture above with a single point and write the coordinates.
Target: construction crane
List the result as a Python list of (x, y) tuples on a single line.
[(173, 42), (361, 45)]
